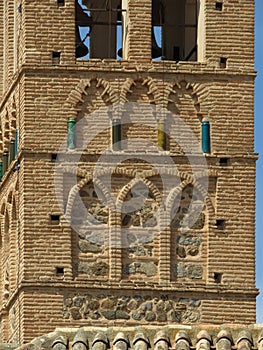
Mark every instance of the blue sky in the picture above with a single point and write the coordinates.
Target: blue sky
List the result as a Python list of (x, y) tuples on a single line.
[(259, 149)]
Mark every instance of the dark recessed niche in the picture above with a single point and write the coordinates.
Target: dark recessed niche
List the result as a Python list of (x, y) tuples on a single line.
[(54, 157), (219, 6), (220, 224), (224, 161), (56, 57), (59, 271), (61, 2), (223, 62), (218, 277), (54, 219)]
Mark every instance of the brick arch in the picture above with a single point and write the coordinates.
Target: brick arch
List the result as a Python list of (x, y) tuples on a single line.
[(134, 173), (9, 197), (98, 97), (7, 224), (2, 241), (184, 119), (105, 192), (115, 171), (7, 201), (71, 198), (125, 89), (140, 101), (125, 190), (155, 172), (201, 96), (1, 139), (11, 205), (160, 91), (76, 188), (5, 130), (110, 94), (198, 91), (14, 243), (101, 186), (74, 170), (199, 232), (130, 174), (143, 86), (77, 95), (209, 174), (7, 207), (69, 169), (5, 253), (173, 194), (12, 121), (186, 87), (2, 218), (14, 208), (3, 206), (8, 124), (177, 190)]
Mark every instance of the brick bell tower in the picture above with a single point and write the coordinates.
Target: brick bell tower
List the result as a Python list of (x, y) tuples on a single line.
[(155, 101)]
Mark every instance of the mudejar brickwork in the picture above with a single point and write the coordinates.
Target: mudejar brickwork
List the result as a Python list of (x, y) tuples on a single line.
[(131, 69)]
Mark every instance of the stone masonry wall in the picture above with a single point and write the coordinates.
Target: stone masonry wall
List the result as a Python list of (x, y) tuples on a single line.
[(99, 308)]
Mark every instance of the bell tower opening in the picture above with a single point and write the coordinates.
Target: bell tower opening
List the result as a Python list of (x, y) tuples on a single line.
[(99, 28), (175, 29)]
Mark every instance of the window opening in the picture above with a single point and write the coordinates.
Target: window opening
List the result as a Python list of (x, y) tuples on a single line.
[(219, 6), (220, 224), (60, 271), (54, 157), (56, 57), (99, 31), (218, 277), (175, 22), (54, 219), (224, 161), (223, 61)]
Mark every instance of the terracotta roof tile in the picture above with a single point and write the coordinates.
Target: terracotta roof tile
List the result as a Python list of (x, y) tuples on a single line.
[(170, 337), (80, 341)]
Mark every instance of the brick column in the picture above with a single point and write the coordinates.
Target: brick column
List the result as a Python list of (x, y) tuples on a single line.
[(139, 24), (165, 249)]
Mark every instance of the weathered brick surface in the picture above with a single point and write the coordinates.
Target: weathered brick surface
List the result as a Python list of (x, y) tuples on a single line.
[(204, 275)]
